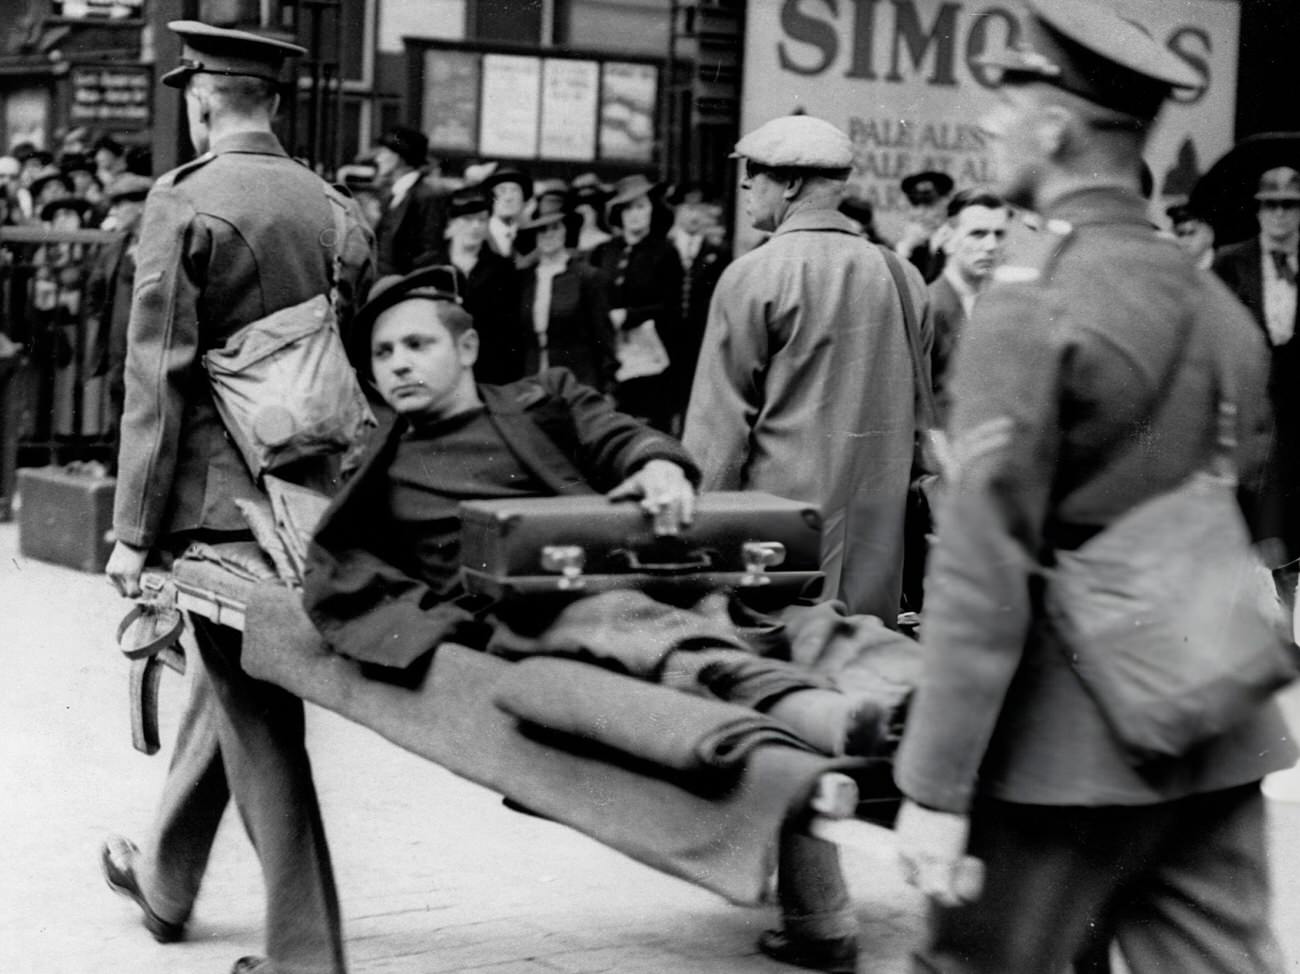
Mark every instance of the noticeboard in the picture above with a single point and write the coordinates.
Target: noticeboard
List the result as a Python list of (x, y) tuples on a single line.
[(513, 104), (111, 96)]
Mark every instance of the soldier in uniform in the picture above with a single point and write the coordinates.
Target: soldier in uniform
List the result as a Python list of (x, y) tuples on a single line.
[(238, 234), (1072, 403)]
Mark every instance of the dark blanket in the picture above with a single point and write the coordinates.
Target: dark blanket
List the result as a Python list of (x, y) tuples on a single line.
[(664, 727), (725, 841)]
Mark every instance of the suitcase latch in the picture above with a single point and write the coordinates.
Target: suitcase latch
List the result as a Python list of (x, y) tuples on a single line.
[(567, 560), (758, 557)]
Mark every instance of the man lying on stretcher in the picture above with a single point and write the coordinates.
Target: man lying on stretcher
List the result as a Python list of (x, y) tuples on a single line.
[(382, 578)]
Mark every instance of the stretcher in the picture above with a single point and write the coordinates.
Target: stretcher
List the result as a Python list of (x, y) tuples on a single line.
[(720, 832)]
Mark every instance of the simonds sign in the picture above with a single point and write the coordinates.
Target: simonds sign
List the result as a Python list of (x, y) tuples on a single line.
[(903, 78)]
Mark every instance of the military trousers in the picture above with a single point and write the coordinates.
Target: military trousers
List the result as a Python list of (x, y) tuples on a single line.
[(241, 737), (1179, 886)]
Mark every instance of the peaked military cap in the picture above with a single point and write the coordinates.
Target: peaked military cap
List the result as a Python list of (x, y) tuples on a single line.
[(1087, 48), (797, 142), (220, 50)]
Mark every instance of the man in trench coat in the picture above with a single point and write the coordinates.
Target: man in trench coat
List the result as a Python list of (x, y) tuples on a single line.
[(805, 386)]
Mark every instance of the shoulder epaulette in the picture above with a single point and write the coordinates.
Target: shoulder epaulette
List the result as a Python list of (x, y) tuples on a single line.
[(180, 172), (1034, 253)]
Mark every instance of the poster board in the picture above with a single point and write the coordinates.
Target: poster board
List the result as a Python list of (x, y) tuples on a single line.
[(508, 118), (508, 103), (903, 79), (450, 111), (570, 90)]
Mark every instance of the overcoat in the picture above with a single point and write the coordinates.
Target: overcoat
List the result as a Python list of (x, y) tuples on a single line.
[(805, 388), (1055, 434), (409, 235)]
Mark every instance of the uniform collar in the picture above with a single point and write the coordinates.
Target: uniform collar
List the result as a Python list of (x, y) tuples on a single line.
[(1101, 203), (816, 220), (264, 143)]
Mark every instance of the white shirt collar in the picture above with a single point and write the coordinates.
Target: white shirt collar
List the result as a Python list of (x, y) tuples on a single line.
[(401, 186)]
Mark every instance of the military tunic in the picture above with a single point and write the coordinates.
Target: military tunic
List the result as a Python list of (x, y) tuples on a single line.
[(1056, 434), (236, 235)]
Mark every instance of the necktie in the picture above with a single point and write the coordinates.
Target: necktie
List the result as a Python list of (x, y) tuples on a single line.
[(1282, 261)]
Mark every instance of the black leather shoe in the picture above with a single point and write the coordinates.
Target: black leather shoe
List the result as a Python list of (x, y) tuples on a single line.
[(837, 955), (252, 964), (117, 857)]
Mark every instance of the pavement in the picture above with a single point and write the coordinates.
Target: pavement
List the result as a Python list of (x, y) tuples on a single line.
[(434, 874)]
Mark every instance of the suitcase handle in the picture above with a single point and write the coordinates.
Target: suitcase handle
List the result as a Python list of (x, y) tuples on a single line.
[(686, 560)]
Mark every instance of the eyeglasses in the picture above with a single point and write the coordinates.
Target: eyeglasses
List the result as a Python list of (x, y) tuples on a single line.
[(1288, 205)]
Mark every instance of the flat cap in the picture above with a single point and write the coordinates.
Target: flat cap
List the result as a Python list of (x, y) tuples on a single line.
[(1087, 48), (1279, 183), (220, 50), (797, 142)]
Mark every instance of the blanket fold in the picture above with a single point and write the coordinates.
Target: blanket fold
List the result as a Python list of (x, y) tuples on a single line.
[(663, 726)]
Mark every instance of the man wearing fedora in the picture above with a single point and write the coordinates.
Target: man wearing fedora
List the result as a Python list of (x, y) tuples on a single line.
[(409, 232), (508, 190), (490, 286), (240, 233), (927, 195), (1261, 271)]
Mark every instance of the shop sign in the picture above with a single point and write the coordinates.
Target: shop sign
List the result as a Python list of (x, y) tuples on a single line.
[(99, 9), (903, 78), (111, 97)]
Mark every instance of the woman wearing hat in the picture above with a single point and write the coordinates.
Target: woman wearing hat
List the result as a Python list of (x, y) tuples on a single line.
[(564, 309), (589, 196), (490, 287), (645, 280)]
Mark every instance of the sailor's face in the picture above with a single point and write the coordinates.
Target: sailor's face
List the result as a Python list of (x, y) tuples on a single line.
[(419, 367)]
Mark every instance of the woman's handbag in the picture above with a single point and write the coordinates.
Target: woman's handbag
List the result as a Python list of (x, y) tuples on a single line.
[(283, 384), (1170, 619)]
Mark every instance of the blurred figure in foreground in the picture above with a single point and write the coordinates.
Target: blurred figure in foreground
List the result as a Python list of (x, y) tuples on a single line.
[(1086, 385)]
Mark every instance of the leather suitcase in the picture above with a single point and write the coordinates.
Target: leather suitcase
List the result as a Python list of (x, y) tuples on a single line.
[(65, 516), (560, 548)]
